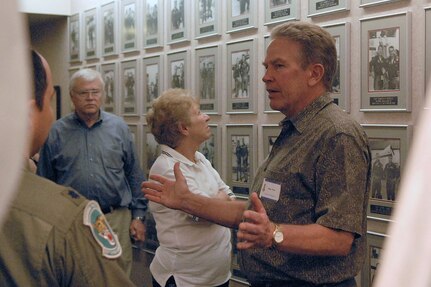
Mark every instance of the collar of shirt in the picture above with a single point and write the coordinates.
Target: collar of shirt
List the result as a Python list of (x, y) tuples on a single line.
[(99, 121), (168, 151), (300, 121)]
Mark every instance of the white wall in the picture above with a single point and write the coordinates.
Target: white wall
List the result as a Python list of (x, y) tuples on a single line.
[(50, 7), (50, 39)]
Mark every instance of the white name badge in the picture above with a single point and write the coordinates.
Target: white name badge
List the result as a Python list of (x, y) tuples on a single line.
[(270, 190)]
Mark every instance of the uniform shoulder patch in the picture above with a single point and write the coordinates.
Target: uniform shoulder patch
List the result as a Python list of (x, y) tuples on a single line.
[(101, 230)]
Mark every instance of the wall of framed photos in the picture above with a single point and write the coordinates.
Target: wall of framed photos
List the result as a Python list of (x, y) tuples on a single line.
[(143, 47)]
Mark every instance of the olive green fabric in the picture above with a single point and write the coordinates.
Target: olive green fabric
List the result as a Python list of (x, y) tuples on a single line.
[(45, 243), (119, 220)]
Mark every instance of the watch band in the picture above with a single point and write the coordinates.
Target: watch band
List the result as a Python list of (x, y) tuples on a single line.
[(141, 218), (277, 235)]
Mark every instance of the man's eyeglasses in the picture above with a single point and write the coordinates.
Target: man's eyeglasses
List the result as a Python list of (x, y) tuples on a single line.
[(88, 93)]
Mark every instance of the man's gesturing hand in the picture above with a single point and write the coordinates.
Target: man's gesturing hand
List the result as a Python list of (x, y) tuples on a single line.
[(256, 229), (166, 192)]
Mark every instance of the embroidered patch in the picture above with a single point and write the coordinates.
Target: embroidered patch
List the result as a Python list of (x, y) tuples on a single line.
[(101, 230), (73, 194)]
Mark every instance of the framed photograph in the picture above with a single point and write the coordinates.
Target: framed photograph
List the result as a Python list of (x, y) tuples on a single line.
[(277, 11), (179, 21), (385, 63), (178, 70), (129, 88), (150, 150), (153, 23), (136, 137), (341, 83), (270, 133), (152, 72), (109, 29), (72, 71), (323, 7), (207, 19), (427, 46), (74, 40), (110, 77), (92, 67), (389, 146), (90, 28), (211, 148), (241, 15), (129, 24), (367, 3), (375, 243), (241, 73), (240, 158), (208, 83)]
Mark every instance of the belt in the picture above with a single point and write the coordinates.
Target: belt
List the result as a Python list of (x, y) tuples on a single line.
[(109, 209)]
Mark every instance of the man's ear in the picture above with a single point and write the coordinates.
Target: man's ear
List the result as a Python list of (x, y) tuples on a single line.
[(72, 105), (316, 72)]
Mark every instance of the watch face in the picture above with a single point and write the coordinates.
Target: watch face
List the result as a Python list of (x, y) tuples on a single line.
[(278, 237)]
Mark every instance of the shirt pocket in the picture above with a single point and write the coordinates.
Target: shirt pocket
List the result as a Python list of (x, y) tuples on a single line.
[(113, 158), (296, 202)]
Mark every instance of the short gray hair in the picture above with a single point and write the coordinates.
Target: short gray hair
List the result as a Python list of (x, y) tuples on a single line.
[(86, 74)]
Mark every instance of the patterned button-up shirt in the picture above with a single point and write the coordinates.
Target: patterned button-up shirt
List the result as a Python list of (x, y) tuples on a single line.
[(322, 161)]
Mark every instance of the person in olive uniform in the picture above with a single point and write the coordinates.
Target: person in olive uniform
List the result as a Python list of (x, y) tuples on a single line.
[(53, 236)]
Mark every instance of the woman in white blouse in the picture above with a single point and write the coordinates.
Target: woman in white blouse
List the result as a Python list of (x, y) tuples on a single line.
[(192, 251)]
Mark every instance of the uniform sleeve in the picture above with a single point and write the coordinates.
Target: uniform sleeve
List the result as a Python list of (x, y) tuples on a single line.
[(342, 179), (79, 260)]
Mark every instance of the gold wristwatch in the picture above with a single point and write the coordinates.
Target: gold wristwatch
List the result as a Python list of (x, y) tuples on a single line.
[(277, 235), (141, 218)]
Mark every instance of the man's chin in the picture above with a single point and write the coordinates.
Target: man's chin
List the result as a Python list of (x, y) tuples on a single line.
[(274, 106), (91, 112), (91, 108)]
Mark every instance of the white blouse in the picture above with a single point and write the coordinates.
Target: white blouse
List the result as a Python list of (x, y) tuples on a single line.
[(196, 252)]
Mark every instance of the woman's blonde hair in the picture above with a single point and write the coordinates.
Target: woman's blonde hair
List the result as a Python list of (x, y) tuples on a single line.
[(167, 113)]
